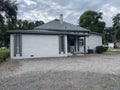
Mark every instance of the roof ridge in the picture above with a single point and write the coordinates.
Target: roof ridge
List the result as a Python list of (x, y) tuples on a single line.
[(56, 25)]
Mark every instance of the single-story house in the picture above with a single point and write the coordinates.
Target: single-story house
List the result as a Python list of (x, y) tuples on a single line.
[(53, 39)]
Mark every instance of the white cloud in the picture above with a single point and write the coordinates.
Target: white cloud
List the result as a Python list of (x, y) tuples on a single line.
[(47, 10), (23, 6), (108, 12), (37, 15), (47, 13), (30, 2)]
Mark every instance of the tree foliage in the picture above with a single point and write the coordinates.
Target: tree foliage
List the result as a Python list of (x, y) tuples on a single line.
[(92, 20), (25, 25), (8, 11), (116, 20), (116, 27), (8, 16), (109, 34)]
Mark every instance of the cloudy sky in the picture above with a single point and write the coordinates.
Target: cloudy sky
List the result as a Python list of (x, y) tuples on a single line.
[(47, 10)]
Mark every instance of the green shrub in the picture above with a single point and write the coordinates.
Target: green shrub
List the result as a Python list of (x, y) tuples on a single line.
[(100, 49), (105, 49), (4, 54)]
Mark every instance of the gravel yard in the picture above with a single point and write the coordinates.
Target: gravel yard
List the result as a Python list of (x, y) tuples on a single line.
[(89, 72)]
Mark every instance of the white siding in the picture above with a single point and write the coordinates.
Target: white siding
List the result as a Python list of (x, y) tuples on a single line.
[(35, 46), (92, 41)]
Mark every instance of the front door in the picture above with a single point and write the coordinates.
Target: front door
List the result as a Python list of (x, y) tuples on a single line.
[(76, 44), (71, 44)]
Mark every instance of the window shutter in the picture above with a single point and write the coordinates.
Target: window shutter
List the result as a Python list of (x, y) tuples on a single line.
[(20, 44), (15, 45), (61, 44)]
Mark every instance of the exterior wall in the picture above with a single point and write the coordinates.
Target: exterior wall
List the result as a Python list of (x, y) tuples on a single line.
[(92, 41), (35, 46)]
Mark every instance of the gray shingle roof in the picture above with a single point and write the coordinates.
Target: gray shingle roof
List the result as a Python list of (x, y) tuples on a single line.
[(57, 26)]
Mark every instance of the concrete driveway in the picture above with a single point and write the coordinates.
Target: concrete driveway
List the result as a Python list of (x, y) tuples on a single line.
[(89, 72)]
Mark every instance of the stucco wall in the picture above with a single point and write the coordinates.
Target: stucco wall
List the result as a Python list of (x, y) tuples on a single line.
[(35, 46), (92, 41)]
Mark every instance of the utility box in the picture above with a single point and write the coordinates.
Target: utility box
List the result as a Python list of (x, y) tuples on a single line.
[(90, 51)]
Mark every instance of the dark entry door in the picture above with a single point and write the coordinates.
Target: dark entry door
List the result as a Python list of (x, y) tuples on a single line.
[(71, 43)]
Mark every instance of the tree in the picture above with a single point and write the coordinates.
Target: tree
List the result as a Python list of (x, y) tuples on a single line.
[(109, 34), (8, 17), (19, 24), (31, 25), (116, 20), (8, 10), (116, 27), (92, 20), (38, 23), (26, 25)]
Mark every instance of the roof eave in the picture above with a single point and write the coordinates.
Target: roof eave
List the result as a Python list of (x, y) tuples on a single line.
[(45, 33)]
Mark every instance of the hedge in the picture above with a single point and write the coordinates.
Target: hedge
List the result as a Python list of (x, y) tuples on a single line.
[(4, 54), (100, 49)]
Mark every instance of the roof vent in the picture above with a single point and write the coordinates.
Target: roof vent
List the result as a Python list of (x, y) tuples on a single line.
[(61, 18)]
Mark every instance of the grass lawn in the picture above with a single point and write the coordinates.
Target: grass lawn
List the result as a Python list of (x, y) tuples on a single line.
[(4, 54), (113, 51)]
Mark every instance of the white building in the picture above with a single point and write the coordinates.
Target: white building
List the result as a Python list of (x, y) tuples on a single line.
[(110, 45), (53, 39)]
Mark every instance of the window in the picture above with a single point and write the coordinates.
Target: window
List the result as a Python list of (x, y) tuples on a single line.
[(81, 42), (61, 44), (17, 44)]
